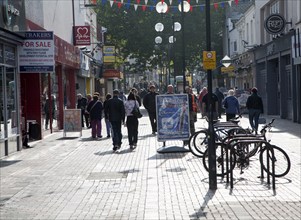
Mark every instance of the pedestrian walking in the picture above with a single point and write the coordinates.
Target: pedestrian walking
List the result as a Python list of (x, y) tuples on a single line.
[(116, 114), (135, 92), (49, 109), (170, 89), (149, 103), (132, 122), (214, 106), (95, 108), (202, 93), (108, 123), (193, 109), (255, 107), (87, 115), (231, 105), (82, 104), (220, 97)]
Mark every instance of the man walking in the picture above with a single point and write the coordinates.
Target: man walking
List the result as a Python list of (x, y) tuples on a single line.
[(114, 111), (255, 106), (149, 103), (82, 104)]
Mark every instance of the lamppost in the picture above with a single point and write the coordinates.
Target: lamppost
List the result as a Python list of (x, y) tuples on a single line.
[(183, 8), (161, 8)]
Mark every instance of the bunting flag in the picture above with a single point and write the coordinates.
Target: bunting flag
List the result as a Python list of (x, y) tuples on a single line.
[(172, 8)]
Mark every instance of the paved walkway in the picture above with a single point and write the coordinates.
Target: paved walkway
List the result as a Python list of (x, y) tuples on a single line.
[(81, 178)]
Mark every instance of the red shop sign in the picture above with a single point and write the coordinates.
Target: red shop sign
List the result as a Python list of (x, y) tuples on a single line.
[(81, 35)]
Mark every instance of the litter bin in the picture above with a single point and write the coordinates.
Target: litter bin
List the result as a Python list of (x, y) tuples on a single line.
[(34, 131)]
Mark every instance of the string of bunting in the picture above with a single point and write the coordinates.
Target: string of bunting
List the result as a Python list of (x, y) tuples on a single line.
[(152, 7)]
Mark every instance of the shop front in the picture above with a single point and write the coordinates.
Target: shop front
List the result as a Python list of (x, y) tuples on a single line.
[(11, 20), (55, 90)]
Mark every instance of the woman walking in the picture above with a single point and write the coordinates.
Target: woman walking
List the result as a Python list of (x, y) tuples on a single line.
[(131, 120), (231, 105)]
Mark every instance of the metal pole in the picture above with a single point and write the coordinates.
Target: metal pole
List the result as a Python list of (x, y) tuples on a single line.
[(211, 144), (183, 45)]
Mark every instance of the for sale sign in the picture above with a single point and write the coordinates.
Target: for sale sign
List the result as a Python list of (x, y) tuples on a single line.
[(36, 54)]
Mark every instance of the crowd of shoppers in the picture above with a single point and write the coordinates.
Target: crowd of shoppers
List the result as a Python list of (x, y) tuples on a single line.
[(117, 110)]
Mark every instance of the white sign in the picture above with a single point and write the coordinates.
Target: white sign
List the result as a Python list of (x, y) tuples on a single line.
[(36, 54), (226, 61)]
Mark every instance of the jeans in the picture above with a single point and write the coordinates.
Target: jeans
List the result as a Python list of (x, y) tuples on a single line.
[(108, 127), (96, 127), (132, 126), (117, 135), (254, 117), (153, 121)]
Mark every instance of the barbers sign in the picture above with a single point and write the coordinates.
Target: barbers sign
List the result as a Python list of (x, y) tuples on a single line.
[(274, 24)]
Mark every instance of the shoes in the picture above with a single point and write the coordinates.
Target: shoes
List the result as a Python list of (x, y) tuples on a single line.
[(27, 146), (115, 148), (93, 137), (108, 136), (131, 147), (99, 136), (154, 133)]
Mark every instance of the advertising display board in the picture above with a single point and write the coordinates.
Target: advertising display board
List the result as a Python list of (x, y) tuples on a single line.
[(72, 121), (172, 117)]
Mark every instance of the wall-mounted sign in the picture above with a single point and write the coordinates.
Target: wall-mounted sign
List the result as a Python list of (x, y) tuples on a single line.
[(274, 24), (81, 35), (36, 54)]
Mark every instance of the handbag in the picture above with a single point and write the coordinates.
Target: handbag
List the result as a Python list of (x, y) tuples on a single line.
[(136, 112)]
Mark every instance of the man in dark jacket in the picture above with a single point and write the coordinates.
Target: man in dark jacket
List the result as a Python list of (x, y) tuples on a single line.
[(220, 97), (82, 104), (149, 103), (95, 108), (115, 112), (255, 106)]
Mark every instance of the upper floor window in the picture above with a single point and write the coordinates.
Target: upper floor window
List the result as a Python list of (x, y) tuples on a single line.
[(234, 46), (275, 8)]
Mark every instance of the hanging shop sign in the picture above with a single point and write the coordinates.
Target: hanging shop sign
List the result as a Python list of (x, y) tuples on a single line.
[(36, 54), (109, 54), (274, 24), (81, 35)]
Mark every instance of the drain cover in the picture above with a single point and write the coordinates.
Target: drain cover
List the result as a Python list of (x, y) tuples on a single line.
[(107, 175)]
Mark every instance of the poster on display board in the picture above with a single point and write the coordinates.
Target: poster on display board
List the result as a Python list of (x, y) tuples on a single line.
[(172, 117), (36, 54), (72, 121)]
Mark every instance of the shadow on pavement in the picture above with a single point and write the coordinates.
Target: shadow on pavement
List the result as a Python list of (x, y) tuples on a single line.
[(200, 213), (5, 163)]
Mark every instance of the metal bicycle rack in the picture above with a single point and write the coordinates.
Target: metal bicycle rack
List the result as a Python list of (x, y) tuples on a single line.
[(247, 140)]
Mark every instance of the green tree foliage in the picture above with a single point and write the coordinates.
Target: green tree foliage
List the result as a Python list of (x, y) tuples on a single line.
[(133, 33)]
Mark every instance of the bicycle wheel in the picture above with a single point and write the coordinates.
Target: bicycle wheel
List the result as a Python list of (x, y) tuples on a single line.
[(281, 159), (191, 146), (220, 161), (200, 142)]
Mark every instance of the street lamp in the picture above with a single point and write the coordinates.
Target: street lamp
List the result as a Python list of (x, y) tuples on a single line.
[(183, 8)]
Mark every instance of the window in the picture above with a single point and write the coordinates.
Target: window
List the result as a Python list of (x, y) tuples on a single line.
[(234, 46), (275, 8)]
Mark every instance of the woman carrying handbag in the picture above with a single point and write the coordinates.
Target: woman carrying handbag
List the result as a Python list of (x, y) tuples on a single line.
[(131, 120)]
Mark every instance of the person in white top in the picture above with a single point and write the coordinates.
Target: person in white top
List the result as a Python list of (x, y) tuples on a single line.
[(131, 120)]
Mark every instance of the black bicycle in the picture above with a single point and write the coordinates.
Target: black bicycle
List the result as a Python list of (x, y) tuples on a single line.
[(239, 148), (198, 142)]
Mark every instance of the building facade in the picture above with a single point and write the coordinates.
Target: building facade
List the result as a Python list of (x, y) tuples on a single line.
[(267, 55)]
